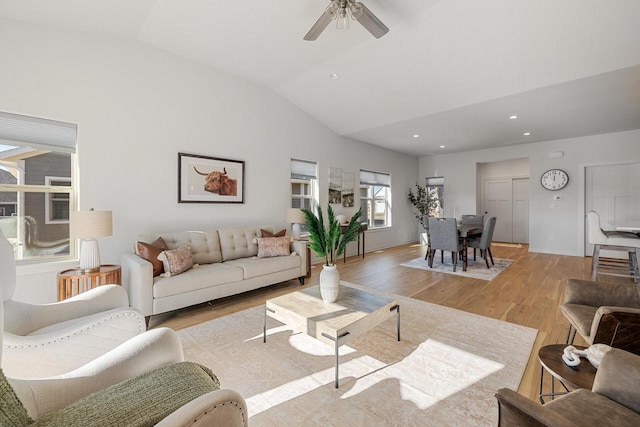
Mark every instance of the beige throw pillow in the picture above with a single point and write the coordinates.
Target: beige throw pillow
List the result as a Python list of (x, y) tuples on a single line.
[(176, 261), (273, 246)]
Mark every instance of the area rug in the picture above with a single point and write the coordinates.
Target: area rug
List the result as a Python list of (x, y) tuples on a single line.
[(475, 269), (443, 372)]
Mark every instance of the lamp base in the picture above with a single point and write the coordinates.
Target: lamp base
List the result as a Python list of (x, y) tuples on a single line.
[(89, 255), (295, 231)]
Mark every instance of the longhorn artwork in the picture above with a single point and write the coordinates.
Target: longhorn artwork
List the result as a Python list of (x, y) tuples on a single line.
[(203, 179)]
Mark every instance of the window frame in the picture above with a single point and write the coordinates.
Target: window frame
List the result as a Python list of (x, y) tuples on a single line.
[(369, 181), (49, 198)]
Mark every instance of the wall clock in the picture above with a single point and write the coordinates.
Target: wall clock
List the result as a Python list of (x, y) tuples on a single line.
[(554, 179)]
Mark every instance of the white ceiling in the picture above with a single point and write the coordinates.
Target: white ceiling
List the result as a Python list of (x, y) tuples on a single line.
[(452, 71)]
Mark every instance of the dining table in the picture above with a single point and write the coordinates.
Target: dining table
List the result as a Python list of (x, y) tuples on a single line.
[(629, 226)]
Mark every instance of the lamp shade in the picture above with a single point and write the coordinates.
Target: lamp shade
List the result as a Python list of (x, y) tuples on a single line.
[(90, 224), (295, 216)]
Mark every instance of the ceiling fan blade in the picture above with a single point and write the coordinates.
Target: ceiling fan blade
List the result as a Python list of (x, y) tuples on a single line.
[(368, 20), (327, 16)]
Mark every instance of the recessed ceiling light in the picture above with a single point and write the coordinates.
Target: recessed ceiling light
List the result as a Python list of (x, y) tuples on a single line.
[(416, 135), (442, 146), (513, 117), (334, 76), (527, 133)]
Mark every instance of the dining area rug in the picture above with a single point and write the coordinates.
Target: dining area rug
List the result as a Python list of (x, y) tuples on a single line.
[(475, 269), (443, 372)]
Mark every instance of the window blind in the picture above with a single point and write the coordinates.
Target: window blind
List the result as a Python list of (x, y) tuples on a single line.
[(435, 181), (302, 169), (375, 178), (16, 129)]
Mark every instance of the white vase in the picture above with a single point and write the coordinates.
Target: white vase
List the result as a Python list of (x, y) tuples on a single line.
[(329, 283)]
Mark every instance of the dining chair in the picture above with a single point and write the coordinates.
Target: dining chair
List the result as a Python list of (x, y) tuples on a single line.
[(443, 235), (472, 219), (615, 241), (484, 241)]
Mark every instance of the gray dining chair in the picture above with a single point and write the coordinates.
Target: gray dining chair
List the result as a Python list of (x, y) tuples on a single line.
[(484, 241), (443, 236), (472, 219)]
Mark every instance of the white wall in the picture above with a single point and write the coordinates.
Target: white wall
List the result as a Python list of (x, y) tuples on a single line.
[(137, 107), (566, 219)]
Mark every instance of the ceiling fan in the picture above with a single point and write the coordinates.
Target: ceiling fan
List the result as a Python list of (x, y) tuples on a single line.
[(339, 11)]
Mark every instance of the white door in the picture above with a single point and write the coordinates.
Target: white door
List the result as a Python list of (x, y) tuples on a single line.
[(498, 202), (521, 210), (613, 191)]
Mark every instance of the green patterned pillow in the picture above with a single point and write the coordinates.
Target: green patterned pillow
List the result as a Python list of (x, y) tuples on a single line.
[(12, 413), (138, 402)]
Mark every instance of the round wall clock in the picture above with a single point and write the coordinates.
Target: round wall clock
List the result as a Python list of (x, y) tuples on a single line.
[(554, 179)]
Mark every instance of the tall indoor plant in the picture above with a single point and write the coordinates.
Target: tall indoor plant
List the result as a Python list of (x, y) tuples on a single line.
[(329, 242), (425, 204)]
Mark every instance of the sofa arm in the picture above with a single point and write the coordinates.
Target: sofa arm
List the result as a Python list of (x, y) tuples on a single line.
[(137, 279), (218, 408), (518, 411), (596, 294), (617, 378), (300, 247)]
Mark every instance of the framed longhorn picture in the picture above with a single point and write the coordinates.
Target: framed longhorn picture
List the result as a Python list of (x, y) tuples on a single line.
[(203, 179)]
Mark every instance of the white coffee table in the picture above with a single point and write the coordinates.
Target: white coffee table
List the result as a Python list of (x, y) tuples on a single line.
[(355, 312)]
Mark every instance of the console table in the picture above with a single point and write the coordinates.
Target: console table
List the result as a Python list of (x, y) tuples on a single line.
[(363, 227)]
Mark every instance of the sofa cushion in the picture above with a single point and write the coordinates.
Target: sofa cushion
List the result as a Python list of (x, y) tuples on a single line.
[(238, 242), (140, 401), (205, 246), (176, 261), (205, 276), (255, 267), (267, 233), (273, 246), (150, 252)]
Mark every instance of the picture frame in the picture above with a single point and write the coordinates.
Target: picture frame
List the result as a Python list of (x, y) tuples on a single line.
[(335, 185), (205, 179)]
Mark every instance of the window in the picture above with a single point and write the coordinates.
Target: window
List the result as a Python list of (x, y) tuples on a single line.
[(56, 208), (375, 198), (36, 186), (435, 188), (304, 179)]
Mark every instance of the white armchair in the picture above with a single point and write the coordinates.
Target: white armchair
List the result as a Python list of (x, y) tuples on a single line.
[(140, 380), (51, 339)]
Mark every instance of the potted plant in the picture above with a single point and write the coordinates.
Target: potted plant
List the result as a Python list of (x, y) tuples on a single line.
[(425, 203), (329, 242)]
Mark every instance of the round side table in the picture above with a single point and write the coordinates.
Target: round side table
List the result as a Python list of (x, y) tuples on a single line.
[(74, 281), (573, 377)]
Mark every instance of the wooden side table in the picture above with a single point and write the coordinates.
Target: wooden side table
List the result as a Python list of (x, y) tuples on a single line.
[(574, 377), (74, 281)]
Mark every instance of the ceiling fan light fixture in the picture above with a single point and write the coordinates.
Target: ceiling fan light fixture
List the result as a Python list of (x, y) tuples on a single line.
[(340, 11)]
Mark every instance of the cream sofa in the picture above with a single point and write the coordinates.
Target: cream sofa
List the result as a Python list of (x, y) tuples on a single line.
[(227, 265)]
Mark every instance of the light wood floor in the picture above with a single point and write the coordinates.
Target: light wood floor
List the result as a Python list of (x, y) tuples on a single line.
[(527, 293)]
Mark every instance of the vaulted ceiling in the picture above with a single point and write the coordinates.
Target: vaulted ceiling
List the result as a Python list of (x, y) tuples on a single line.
[(450, 71)]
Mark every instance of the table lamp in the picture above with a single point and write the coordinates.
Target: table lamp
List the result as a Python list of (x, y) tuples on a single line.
[(295, 217), (86, 226)]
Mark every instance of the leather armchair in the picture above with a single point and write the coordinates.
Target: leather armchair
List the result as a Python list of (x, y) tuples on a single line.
[(613, 401), (42, 340), (607, 313)]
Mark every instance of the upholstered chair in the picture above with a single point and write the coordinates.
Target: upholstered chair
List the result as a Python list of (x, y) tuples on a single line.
[(603, 313), (484, 241), (42, 340), (142, 382), (443, 235), (620, 241), (614, 400)]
